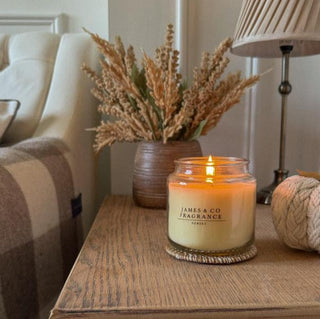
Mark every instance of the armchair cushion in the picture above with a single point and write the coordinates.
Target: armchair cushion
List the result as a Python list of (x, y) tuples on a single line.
[(27, 62)]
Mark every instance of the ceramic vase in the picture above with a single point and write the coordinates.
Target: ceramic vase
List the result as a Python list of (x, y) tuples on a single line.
[(154, 161)]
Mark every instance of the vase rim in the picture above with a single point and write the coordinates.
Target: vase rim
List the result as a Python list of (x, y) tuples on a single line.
[(170, 142)]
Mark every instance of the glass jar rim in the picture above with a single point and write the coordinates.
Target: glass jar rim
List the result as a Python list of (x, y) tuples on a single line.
[(221, 161)]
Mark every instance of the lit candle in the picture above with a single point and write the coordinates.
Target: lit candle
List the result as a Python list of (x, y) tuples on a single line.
[(211, 204)]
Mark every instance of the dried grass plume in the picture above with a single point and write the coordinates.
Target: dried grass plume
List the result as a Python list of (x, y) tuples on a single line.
[(152, 102)]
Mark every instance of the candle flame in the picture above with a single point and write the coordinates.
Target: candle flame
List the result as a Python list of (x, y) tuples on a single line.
[(209, 167)]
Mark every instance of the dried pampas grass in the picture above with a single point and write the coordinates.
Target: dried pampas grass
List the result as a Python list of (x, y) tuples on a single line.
[(153, 102)]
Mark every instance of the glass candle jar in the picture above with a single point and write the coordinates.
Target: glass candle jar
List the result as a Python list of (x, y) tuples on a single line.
[(211, 210)]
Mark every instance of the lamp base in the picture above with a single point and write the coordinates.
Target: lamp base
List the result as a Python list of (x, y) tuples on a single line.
[(264, 196)]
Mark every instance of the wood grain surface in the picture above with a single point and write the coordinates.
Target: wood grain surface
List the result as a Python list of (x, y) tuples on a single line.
[(123, 271)]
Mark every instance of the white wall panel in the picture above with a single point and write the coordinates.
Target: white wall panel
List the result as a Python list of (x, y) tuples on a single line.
[(303, 130), (303, 147), (13, 24), (267, 122), (91, 14), (209, 23)]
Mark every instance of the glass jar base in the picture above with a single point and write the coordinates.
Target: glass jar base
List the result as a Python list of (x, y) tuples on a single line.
[(233, 256)]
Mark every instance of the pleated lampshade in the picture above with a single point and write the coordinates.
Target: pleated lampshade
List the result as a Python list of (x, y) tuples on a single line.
[(265, 25)]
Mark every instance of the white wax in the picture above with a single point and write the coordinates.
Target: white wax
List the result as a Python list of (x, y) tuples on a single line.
[(211, 216)]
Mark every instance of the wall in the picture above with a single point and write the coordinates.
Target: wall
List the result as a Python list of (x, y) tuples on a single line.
[(91, 14), (143, 28), (252, 128), (204, 29)]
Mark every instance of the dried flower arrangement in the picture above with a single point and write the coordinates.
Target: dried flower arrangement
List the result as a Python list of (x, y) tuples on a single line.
[(153, 102)]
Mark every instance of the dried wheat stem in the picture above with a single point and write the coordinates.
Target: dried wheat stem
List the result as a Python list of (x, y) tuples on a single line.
[(149, 104)]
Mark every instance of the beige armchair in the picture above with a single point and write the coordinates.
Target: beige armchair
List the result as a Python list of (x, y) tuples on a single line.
[(46, 161)]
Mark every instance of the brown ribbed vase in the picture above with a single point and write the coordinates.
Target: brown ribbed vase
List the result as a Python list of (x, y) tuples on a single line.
[(154, 161)]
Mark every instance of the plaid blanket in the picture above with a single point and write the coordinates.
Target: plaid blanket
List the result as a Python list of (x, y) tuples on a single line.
[(38, 235)]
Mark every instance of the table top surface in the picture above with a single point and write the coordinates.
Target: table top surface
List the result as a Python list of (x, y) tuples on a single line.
[(124, 271)]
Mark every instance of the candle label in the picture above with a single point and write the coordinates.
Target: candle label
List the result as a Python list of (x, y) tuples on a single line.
[(199, 216), (211, 217)]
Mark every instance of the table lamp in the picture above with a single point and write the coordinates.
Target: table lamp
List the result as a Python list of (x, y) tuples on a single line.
[(278, 28)]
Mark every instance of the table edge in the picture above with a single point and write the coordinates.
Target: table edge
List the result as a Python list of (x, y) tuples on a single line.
[(273, 311)]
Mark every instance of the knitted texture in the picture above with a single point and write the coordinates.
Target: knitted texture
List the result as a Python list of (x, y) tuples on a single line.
[(296, 212)]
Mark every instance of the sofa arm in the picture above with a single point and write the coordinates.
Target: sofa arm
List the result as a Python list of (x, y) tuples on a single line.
[(39, 235)]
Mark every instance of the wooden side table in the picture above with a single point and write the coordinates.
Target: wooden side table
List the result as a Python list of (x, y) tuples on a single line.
[(123, 271)]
